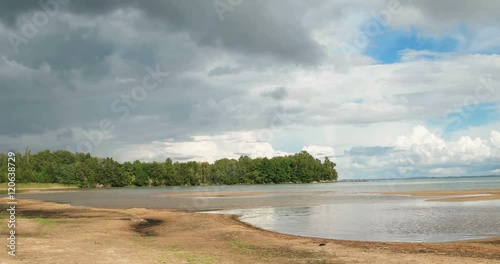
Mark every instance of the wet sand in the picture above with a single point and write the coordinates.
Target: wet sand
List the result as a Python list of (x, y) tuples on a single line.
[(60, 233), (454, 196)]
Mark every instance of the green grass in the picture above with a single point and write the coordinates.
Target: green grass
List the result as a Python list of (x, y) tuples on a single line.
[(44, 221), (197, 259), (37, 186), (273, 252), (240, 246), (3, 211), (188, 257)]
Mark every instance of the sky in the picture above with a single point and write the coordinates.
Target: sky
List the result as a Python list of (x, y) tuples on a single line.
[(387, 89)]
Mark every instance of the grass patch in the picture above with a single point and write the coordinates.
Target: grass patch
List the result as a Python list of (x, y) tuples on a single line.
[(186, 256), (324, 261), (38, 186), (44, 221), (240, 246), (4, 214), (197, 259), (272, 252)]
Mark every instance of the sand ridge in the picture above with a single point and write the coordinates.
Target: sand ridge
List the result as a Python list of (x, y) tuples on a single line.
[(214, 194), (454, 196)]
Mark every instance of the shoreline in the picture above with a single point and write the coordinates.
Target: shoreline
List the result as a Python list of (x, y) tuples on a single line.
[(167, 236), (434, 195)]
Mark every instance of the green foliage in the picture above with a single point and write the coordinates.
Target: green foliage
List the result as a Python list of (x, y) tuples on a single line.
[(85, 171), (140, 178)]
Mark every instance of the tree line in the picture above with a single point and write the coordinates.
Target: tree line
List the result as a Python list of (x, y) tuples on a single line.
[(85, 171)]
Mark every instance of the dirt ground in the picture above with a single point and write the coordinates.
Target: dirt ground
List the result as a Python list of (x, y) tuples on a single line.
[(60, 233)]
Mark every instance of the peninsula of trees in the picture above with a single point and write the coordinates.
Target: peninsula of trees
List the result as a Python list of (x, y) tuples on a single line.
[(83, 170)]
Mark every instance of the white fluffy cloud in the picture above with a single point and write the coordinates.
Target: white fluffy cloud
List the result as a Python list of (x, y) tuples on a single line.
[(202, 148), (495, 138), (430, 149), (320, 151), (423, 153), (418, 153)]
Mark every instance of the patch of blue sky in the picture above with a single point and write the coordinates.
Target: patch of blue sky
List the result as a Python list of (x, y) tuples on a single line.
[(470, 116), (387, 47)]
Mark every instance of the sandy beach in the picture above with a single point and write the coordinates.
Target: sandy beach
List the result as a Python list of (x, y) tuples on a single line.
[(60, 233)]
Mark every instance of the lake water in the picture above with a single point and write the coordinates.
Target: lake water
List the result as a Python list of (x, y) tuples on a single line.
[(343, 210)]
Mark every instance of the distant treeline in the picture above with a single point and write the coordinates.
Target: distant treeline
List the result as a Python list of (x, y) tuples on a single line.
[(83, 170)]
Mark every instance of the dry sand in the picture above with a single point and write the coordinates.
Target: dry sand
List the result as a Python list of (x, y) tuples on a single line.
[(454, 196), (60, 233)]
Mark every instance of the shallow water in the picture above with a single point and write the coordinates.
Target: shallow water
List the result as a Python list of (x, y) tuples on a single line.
[(345, 210), (417, 221)]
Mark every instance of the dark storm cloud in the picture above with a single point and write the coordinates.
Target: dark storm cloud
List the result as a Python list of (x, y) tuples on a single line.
[(67, 133), (278, 93), (253, 27), (84, 63), (12, 9), (69, 50), (26, 98), (457, 9), (224, 70)]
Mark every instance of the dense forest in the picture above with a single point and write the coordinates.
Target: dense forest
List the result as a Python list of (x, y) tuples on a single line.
[(83, 170)]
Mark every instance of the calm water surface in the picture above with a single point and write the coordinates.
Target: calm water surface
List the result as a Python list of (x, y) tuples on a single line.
[(345, 210)]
